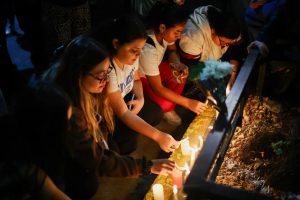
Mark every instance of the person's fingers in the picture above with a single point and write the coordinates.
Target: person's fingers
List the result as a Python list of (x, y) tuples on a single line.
[(168, 167), (171, 148), (202, 108), (164, 173), (172, 163), (167, 170), (265, 51), (249, 47)]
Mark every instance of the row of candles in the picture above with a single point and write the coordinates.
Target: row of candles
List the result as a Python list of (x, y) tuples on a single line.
[(180, 174)]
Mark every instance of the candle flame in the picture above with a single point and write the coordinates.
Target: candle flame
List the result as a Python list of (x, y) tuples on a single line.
[(175, 190), (200, 142), (186, 168)]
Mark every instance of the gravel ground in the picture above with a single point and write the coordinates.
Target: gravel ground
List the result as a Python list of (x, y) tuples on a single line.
[(263, 154)]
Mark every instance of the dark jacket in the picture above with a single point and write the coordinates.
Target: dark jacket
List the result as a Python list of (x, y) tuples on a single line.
[(20, 180), (90, 159)]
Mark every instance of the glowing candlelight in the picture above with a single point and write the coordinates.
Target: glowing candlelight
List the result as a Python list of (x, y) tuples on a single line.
[(175, 192), (186, 171), (210, 127), (185, 147), (186, 168), (183, 140), (177, 178), (193, 156), (158, 192), (200, 142)]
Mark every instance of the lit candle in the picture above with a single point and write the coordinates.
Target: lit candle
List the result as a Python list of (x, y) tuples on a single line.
[(186, 171), (175, 192), (193, 157), (200, 142), (158, 192), (177, 178), (185, 147)]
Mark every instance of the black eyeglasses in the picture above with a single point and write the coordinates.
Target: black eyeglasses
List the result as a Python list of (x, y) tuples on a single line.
[(102, 76), (232, 43), (224, 44)]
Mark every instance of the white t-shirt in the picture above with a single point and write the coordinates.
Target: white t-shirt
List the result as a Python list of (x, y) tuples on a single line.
[(151, 56), (196, 37), (122, 79)]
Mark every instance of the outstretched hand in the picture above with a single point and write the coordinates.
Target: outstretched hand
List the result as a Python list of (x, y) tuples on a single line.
[(167, 143), (196, 106), (135, 105), (263, 49), (162, 166)]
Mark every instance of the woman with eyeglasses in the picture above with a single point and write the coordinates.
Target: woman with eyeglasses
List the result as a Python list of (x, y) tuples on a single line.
[(208, 34), (83, 74), (125, 88)]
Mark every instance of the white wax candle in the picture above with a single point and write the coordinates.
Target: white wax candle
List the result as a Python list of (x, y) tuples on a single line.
[(193, 157), (186, 171), (158, 192), (200, 142), (177, 178), (175, 192), (185, 147)]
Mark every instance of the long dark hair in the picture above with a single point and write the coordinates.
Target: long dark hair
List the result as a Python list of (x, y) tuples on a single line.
[(126, 29), (168, 14), (224, 23), (80, 56)]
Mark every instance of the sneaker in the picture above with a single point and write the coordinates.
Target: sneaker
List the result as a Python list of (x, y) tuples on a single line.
[(172, 118)]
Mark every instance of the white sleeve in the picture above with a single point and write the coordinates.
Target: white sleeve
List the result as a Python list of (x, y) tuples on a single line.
[(149, 61), (113, 82), (190, 43)]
